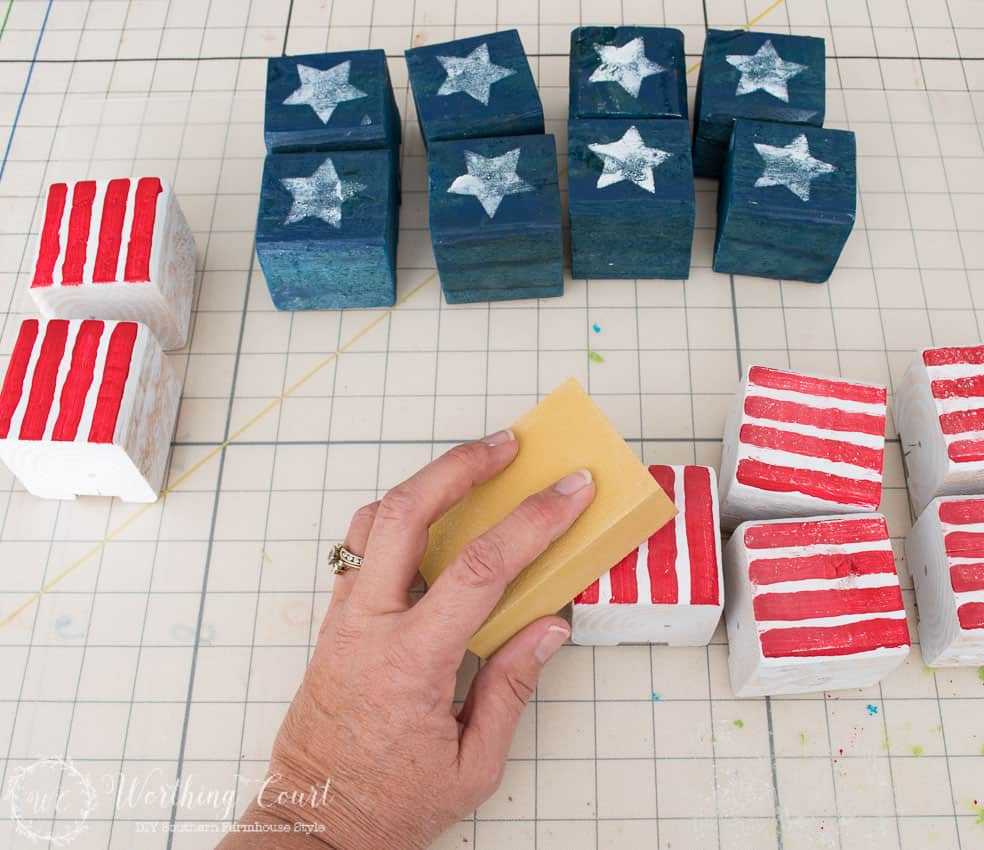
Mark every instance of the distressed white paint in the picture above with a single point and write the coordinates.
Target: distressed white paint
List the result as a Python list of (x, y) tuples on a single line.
[(490, 179), (630, 159), (791, 166), (323, 91), (627, 65), (765, 70), (474, 74), (320, 196)]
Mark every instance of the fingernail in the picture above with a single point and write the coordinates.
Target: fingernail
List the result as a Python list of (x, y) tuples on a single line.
[(551, 641), (570, 484), (498, 438)]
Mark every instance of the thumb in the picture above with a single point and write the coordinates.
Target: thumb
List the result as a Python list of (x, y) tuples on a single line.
[(500, 692)]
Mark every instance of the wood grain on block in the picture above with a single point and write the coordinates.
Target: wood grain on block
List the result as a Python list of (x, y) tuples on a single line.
[(87, 408), (796, 444), (939, 414), (495, 218), (755, 75), (116, 249), (326, 230), (945, 554), (474, 87), (812, 604), (627, 72), (670, 589), (787, 201), (631, 198), (564, 432)]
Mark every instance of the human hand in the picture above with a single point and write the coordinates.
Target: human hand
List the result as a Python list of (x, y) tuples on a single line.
[(374, 715)]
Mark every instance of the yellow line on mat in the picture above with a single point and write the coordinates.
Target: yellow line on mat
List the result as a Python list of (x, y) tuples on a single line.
[(235, 435), (772, 7)]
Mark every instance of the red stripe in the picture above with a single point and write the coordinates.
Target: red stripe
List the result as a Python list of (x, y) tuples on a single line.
[(588, 596), (777, 379), (962, 420), (966, 451), (662, 557), (835, 532), (964, 544), (13, 382), (78, 381), (828, 418), (828, 566), (702, 535), (49, 246), (118, 356), (800, 444), (43, 380), (970, 387), (809, 482), (972, 355), (835, 602), (111, 231), (142, 230), (625, 589), (848, 639), (967, 577), (962, 512), (971, 615), (79, 220)]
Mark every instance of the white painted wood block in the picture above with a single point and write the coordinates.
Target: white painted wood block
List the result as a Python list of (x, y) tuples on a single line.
[(812, 604), (116, 249), (939, 414), (945, 554), (669, 590), (88, 407), (798, 445)]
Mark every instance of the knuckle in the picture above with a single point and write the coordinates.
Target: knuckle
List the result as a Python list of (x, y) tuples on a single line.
[(491, 776), (398, 504), (520, 688), (483, 562), (365, 515), (470, 457), (541, 513)]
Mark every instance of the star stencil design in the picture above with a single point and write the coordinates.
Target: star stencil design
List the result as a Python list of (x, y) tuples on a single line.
[(324, 90), (629, 159), (765, 70), (792, 166), (490, 179), (626, 65), (473, 74), (320, 195)]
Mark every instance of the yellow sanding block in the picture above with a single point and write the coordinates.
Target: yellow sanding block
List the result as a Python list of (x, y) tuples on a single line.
[(563, 433)]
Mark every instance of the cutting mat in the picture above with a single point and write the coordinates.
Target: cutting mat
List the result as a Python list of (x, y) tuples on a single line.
[(145, 647)]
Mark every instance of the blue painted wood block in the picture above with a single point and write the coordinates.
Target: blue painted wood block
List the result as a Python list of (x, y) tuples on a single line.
[(627, 72), (787, 201), (495, 218), (330, 101), (631, 198), (474, 87), (327, 228), (756, 75)]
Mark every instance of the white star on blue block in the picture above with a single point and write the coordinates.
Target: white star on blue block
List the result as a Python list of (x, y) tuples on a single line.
[(629, 159), (765, 70), (792, 166), (473, 74), (324, 90), (490, 179), (320, 195), (626, 65)]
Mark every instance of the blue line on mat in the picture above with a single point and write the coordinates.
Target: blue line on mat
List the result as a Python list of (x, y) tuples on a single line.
[(27, 83)]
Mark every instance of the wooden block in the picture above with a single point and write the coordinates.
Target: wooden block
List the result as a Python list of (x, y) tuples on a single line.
[(812, 605), (627, 72), (116, 249), (87, 408), (327, 229), (670, 589), (495, 217), (330, 102), (631, 198), (939, 414), (627, 508), (796, 445), (787, 201), (474, 87), (756, 75), (945, 554)]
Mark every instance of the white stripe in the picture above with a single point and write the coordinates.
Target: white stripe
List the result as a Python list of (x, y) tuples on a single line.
[(605, 588), (871, 441), (57, 273), (642, 574), (954, 371), (768, 554), (849, 582), (682, 565), (63, 367), (966, 596), (127, 224), (95, 222), (156, 235), (18, 418), (956, 404), (98, 371), (841, 620), (977, 433), (816, 464), (820, 401), (975, 527)]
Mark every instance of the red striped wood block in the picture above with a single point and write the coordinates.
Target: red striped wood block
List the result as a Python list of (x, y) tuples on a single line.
[(939, 414), (87, 407), (945, 554), (796, 445), (117, 249), (670, 589), (812, 604)]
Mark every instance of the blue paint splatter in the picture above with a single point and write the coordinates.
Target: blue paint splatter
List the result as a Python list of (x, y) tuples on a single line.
[(655, 697), (872, 709), (596, 328)]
